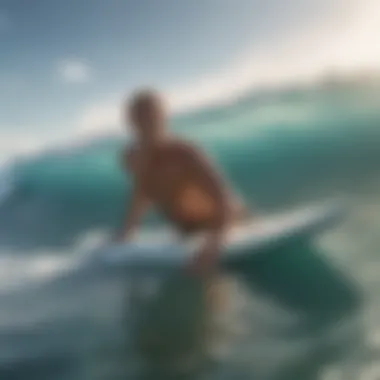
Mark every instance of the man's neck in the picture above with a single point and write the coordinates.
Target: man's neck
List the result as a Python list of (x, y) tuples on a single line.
[(153, 144)]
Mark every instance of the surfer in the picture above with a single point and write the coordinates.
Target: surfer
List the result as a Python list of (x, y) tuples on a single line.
[(177, 178)]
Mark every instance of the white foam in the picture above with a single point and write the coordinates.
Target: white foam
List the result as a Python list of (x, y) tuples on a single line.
[(19, 271)]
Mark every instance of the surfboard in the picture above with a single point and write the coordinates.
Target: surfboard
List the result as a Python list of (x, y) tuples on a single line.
[(152, 256)]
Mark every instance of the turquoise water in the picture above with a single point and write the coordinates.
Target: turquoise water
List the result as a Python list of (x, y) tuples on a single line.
[(305, 144), (279, 150)]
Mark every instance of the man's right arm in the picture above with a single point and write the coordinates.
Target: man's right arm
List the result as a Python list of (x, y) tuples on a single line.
[(138, 202)]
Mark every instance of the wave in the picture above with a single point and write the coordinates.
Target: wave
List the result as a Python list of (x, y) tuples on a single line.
[(292, 146), (6, 186)]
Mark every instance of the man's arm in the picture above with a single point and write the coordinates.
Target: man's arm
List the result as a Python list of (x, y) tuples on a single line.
[(139, 202), (206, 173)]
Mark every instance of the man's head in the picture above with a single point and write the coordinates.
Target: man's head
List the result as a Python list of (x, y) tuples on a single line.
[(148, 115)]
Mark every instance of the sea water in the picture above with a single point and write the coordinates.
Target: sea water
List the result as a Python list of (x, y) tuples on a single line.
[(59, 321)]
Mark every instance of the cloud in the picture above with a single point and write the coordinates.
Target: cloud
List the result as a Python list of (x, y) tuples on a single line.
[(75, 71)]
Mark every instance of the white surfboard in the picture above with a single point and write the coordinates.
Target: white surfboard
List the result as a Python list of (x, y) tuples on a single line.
[(153, 256)]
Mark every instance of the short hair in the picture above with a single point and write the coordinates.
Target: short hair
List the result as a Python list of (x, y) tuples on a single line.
[(144, 97)]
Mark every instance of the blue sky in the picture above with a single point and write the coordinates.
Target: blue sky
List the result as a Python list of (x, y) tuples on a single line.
[(64, 65)]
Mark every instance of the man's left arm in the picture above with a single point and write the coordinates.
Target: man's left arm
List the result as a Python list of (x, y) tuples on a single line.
[(205, 171)]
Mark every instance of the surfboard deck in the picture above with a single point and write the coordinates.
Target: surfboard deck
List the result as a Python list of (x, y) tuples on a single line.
[(152, 256)]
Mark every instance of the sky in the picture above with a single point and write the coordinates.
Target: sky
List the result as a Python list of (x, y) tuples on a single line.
[(66, 66)]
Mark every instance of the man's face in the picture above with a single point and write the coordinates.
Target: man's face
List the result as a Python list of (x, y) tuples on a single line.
[(148, 119)]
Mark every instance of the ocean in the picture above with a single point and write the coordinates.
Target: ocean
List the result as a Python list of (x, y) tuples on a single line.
[(280, 149)]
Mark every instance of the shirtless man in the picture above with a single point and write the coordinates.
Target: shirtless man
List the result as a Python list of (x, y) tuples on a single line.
[(177, 178)]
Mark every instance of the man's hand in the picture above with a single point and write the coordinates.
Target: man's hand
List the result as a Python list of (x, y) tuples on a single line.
[(205, 261)]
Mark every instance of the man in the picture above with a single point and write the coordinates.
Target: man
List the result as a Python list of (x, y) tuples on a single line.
[(178, 179)]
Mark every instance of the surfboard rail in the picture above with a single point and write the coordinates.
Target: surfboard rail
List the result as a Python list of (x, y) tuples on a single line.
[(159, 257)]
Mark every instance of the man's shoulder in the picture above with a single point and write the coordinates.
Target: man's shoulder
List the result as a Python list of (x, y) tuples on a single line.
[(183, 147)]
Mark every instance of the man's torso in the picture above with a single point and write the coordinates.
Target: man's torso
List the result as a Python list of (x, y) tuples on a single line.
[(175, 188)]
